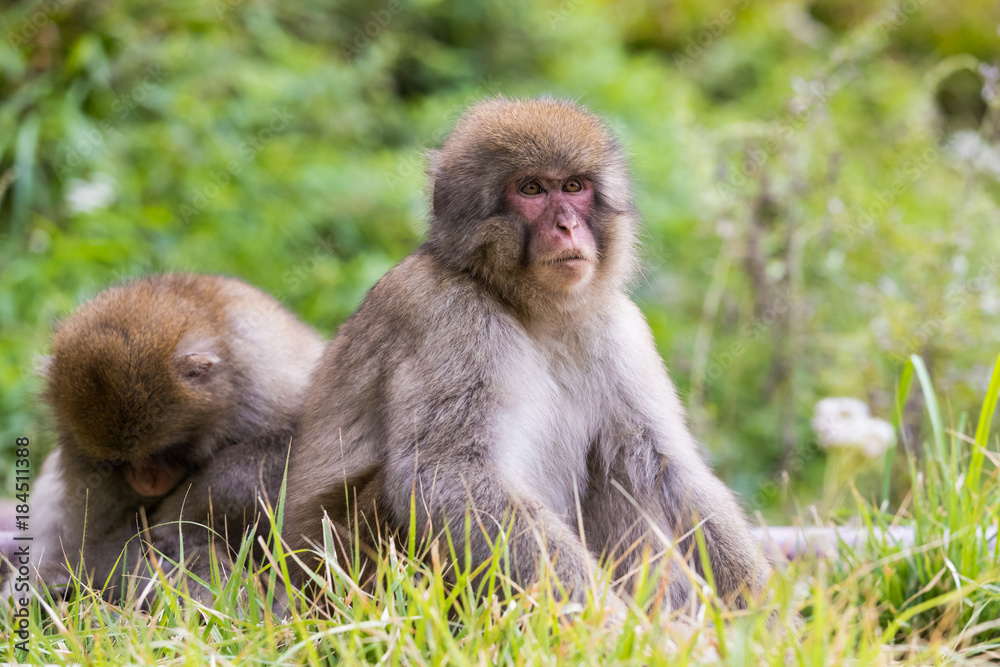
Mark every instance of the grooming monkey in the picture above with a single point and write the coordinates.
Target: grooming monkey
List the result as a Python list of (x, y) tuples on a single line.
[(502, 370), (174, 399)]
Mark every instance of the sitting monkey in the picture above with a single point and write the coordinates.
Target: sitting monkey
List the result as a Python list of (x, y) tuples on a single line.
[(174, 399), (502, 370)]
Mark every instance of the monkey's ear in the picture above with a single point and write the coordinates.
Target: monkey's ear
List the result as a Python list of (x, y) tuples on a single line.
[(195, 365)]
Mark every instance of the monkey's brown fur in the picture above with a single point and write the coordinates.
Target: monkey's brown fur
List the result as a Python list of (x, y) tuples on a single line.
[(184, 386), (471, 379)]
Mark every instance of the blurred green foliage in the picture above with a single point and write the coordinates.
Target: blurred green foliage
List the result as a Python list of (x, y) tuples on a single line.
[(818, 180)]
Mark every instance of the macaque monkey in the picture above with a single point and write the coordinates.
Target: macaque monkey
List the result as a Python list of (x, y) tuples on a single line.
[(501, 372), (174, 399)]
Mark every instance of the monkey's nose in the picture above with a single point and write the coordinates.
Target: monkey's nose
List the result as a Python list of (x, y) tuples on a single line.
[(567, 222)]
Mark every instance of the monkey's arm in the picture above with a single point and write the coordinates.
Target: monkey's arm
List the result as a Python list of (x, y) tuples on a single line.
[(658, 487), (652, 500), (450, 490), (220, 502)]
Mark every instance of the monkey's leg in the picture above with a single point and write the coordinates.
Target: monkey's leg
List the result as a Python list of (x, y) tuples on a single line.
[(534, 537), (47, 524), (698, 497), (648, 502), (114, 550), (628, 531), (88, 525), (46, 530)]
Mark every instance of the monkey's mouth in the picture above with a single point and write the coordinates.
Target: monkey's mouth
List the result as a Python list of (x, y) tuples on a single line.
[(568, 259)]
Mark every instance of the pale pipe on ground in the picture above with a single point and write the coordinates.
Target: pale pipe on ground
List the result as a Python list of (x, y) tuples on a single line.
[(822, 542)]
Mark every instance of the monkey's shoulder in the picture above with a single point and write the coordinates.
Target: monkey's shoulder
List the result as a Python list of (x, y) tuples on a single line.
[(420, 296)]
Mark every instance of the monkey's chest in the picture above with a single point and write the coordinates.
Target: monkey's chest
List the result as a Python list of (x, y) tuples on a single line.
[(546, 430)]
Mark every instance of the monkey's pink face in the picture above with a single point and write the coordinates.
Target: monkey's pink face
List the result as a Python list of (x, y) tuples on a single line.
[(562, 249)]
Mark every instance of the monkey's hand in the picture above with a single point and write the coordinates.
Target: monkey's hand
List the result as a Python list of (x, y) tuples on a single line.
[(181, 550), (153, 477)]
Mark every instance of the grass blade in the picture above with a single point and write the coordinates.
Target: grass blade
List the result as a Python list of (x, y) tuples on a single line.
[(983, 428)]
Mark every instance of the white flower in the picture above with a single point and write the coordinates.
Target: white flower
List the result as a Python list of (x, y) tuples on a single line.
[(878, 437), (85, 196), (839, 422), (846, 422), (840, 409)]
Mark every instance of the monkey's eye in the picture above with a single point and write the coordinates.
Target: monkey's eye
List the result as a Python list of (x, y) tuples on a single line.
[(573, 185), (532, 188)]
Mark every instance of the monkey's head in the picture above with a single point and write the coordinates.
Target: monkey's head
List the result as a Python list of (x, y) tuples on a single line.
[(532, 197), (135, 376)]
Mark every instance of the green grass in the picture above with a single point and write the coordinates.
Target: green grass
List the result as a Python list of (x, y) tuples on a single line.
[(934, 602)]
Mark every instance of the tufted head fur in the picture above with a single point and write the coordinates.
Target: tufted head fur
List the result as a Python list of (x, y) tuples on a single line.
[(140, 367), (175, 366)]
